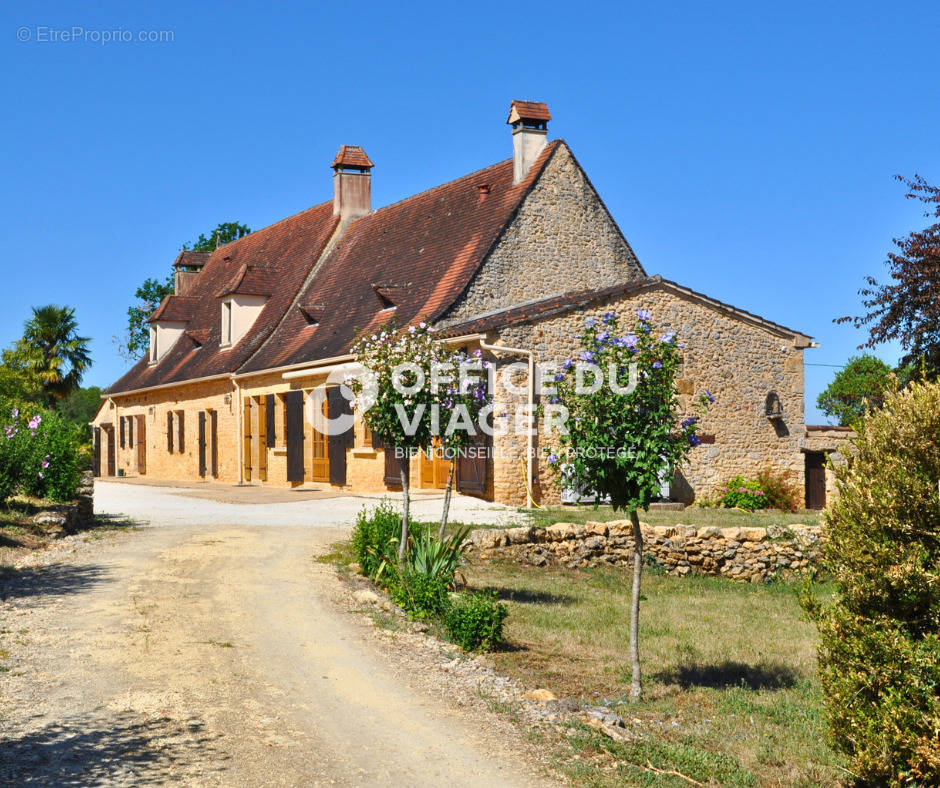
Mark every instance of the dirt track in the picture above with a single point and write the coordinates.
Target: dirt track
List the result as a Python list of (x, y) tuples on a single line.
[(220, 654)]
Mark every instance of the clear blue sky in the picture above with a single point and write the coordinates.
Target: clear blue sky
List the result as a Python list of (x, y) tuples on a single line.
[(746, 150)]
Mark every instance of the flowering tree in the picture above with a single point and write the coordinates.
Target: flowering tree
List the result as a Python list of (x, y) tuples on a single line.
[(415, 390), (624, 430), (38, 456)]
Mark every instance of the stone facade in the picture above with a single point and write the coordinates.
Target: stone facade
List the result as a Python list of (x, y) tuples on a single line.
[(755, 555), (739, 361), (562, 239)]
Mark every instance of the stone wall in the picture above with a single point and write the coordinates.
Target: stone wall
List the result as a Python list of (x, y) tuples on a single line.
[(73, 516), (562, 239), (739, 361), (755, 555)]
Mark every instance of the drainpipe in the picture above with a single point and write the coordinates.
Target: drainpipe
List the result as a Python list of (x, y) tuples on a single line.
[(531, 397)]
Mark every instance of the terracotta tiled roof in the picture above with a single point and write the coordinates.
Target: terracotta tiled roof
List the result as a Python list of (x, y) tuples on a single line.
[(351, 156), (191, 259), (565, 302), (281, 255), (250, 280), (175, 309), (421, 253), (529, 110)]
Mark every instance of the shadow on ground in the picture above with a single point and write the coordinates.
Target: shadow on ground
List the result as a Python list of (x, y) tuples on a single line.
[(124, 750), (528, 595), (53, 580), (730, 674)]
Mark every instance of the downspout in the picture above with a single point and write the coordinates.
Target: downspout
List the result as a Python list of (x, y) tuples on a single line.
[(531, 397)]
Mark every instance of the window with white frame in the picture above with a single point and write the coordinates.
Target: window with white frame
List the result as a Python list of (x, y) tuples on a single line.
[(226, 322)]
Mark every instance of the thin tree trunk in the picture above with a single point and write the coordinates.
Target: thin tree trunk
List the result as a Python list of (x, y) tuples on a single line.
[(447, 493), (405, 478), (636, 687)]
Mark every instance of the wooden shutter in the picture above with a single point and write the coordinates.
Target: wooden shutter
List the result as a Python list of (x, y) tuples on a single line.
[(214, 430), (130, 432), (169, 432), (392, 467), (96, 438), (181, 431), (263, 439), (473, 470), (269, 420), (141, 445), (202, 443), (338, 405), (246, 438), (112, 451), (294, 414), (121, 427)]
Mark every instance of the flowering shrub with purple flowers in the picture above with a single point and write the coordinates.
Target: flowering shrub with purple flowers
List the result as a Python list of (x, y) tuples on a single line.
[(39, 454), (644, 423)]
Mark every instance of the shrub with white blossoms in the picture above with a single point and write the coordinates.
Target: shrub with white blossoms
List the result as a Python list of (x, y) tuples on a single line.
[(625, 431), (416, 391)]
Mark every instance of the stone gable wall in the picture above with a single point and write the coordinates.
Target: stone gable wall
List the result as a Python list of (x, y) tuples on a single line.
[(753, 555), (562, 239)]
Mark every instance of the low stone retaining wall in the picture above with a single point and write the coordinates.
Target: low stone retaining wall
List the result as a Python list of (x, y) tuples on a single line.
[(754, 555), (70, 517)]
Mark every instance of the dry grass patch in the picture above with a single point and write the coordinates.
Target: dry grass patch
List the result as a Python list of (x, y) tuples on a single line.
[(731, 691)]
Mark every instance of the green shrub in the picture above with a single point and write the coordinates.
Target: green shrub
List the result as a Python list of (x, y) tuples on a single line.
[(475, 621), (375, 536), (39, 454), (741, 493), (431, 556), (879, 652), (423, 596)]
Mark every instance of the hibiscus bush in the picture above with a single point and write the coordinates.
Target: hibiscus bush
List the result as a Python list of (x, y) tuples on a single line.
[(741, 493), (40, 455)]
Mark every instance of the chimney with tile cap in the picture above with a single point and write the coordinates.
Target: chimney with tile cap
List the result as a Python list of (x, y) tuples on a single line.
[(529, 121), (352, 183)]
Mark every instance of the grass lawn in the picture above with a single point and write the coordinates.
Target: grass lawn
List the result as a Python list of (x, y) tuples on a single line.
[(721, 518), (731, 692)]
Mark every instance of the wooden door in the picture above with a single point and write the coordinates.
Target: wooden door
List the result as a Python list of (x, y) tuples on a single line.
[(141, 445), (473, 466), (96, 437), (246, 439), (320, 468), (815, 480), (294, 427), (433, 469), (202, 444), (214, 435), (262, 439)]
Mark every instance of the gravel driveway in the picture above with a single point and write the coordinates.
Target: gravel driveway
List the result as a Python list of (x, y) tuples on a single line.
[(209, 648)]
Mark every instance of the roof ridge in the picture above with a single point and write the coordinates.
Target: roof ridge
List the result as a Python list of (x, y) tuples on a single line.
[(453, 181)]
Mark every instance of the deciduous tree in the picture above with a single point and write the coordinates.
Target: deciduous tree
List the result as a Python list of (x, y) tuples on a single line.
[(907, 308), (860, 385), (624, 436)]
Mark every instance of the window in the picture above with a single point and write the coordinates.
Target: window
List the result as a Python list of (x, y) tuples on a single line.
[(154, 355), (226, 322)]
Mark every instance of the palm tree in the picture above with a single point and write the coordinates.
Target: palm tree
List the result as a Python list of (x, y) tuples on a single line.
[(52, 348)]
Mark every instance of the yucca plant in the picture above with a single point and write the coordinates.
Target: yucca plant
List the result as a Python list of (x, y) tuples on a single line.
[(437, 557)]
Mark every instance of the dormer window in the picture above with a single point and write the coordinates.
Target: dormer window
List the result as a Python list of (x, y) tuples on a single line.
[(239, 313), (163, 335)]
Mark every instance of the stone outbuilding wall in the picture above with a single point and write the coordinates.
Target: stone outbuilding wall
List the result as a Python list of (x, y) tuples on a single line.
[(740, 361), (755, 555)]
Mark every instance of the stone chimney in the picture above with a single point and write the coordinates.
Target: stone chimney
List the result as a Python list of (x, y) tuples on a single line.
[(529, 121), (352, 183)]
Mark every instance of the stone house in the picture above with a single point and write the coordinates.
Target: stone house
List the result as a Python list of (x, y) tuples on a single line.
[(510, 260)]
